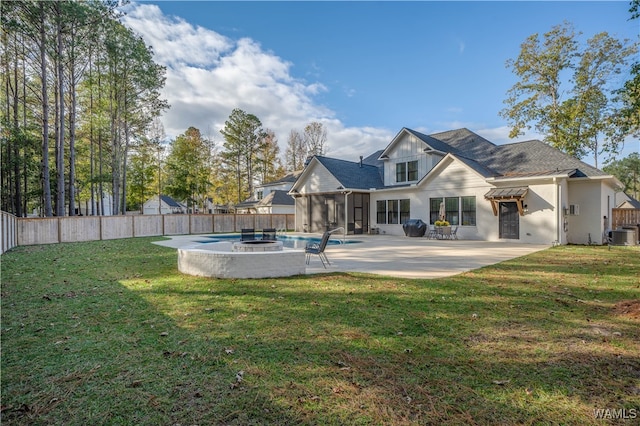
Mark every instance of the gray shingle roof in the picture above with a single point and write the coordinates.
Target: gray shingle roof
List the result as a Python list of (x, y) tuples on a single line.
[(351, 175), (277, 198), (536, 157), (372, 159), (465, 143), (434, 143), (520, 159), (170, 201), (528, 158), (288, 178)]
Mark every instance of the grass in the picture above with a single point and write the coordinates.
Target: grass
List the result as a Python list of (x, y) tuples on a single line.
[(109, 332)]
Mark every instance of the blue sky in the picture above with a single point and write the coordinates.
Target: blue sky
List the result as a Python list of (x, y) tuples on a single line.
[(363, 69)]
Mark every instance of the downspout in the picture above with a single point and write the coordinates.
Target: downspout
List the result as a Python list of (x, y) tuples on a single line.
[(346, 214), (559, 217)]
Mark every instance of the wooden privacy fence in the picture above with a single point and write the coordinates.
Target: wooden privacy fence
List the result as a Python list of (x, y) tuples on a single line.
[(8, 231), (622, 217), (29, 231)]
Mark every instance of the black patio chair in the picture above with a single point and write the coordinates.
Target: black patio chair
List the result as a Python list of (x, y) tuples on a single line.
[(248, 234), (318, 248), (269, 234)]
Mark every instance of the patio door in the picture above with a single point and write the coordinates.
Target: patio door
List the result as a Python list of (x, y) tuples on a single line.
[(509, 221)]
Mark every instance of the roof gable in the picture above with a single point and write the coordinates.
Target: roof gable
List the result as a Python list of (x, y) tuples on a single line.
[(451, 159), (428, 141)]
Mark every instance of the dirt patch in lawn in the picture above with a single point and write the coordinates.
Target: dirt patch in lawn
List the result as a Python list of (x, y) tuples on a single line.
[(628, 308)]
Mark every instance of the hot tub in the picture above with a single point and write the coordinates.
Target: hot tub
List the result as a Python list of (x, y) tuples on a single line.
[(222, 260)]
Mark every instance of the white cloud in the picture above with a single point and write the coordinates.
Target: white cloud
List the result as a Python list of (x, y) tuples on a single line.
[(208, 75), (174, 40)]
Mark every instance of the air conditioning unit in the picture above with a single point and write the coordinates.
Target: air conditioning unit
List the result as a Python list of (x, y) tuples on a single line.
[(574, 209)]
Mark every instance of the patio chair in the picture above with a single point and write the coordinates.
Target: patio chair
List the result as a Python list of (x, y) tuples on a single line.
[(432, 234), (318, 248), (269, 234), (247, 234), (454, 234)]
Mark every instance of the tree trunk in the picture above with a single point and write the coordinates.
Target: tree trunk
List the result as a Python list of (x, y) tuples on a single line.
[(72, 141), (61, 114), (46, 180)]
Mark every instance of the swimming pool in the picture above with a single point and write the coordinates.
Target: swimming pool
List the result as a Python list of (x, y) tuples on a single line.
[(288, 241)]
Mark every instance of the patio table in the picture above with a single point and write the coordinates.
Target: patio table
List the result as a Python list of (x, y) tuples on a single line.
[(443, 232)]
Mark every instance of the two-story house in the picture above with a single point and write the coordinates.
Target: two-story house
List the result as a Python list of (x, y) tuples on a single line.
[(527, 191)]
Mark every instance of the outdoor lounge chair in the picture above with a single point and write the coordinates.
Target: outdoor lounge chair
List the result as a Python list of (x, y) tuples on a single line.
[(248, 234), (269, 234), (318, 248)]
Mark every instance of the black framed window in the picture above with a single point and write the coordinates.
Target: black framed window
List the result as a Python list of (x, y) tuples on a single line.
[(405, 210), (381, 211), (434, 209), (412, 170), (401, 172), (452, 210), (468, 211), (458, 210), (393, 211), (407, 172)]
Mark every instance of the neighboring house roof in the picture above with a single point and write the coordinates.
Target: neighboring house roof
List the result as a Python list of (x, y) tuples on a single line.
[(288, 178), (629, 203), (352, 175), (250, 203), (276, 198), (170, 201)]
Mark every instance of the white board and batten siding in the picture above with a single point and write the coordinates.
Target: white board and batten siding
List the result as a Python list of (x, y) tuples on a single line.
[(455, 179), (408, 148), (319, 180)]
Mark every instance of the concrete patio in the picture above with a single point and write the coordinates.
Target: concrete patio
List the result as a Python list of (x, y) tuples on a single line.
[(403, 256)]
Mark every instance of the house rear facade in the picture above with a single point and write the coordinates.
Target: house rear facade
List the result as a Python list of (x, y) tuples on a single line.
[(527, 192)]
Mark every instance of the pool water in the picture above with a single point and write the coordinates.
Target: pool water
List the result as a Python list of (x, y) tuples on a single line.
[(288, 241)]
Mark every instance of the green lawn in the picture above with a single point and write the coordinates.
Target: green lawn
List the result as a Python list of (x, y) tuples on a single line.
[(109, 332)]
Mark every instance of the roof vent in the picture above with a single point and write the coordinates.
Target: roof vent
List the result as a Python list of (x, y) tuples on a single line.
[(308, 160)]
